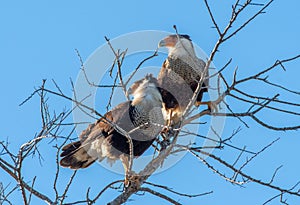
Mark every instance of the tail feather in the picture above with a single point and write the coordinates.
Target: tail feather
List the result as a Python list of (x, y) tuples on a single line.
[(75, 156)]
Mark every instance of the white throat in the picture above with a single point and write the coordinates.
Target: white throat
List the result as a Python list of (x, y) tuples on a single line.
[(183, 48), (147, 95)]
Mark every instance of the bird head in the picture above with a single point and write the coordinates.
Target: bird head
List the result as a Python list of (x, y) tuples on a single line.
[(178, 44), (146, 90)]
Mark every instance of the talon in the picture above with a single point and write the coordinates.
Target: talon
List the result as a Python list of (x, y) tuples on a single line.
[(165, 130), (131, 180), (165, 141), (126, 183)]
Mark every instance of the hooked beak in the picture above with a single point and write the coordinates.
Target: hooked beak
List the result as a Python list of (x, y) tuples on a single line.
[(169, 41), (162, 43)]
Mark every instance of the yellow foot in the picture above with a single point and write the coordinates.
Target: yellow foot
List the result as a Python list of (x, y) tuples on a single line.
[(132, 180), (213, 107), (126, 183)]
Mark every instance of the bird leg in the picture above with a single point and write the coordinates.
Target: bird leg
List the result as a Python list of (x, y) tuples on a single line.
[(212, 106), (125, 162), (131, 178), (165, 133), (168, 122)]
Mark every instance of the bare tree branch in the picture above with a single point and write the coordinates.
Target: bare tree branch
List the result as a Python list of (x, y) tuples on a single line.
[(254, 105), (145, 189)]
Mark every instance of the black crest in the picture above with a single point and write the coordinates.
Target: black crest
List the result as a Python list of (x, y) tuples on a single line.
[(185, 36)]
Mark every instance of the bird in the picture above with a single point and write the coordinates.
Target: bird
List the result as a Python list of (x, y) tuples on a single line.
[(141, 119), (179, 76)]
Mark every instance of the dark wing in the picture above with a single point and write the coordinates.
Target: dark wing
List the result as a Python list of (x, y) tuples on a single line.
[(166, 85), (75, 157), (172, 82), (104, 135), (131, 117), (178, 80), (79, 154)]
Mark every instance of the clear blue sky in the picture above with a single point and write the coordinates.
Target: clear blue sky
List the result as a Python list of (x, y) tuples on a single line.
[(37, 41)]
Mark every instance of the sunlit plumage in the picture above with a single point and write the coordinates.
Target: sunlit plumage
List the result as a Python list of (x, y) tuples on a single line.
[(103, 140), (179, 75)]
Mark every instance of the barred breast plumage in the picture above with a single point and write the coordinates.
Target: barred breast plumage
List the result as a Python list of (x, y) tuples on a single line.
[(180, 75), (141, 119)]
